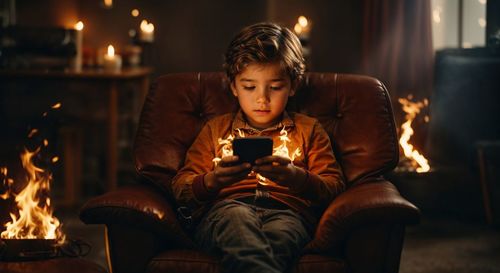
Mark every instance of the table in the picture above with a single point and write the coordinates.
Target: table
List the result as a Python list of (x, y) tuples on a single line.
[(109, 78), (58, 265)]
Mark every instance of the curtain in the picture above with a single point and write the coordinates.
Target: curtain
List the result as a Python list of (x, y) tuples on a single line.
[(397, 49)]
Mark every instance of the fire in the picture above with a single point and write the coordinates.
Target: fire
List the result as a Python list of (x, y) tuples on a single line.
[(34, 219), (281, 150), (412, 109)]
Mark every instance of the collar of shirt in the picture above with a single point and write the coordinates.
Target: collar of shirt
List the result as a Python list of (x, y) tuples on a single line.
[(240, 123)]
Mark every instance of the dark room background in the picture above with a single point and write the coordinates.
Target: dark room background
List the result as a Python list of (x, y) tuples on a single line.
[(193, 35)]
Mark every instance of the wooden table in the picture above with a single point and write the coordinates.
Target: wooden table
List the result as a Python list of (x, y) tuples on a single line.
[(111, 79)]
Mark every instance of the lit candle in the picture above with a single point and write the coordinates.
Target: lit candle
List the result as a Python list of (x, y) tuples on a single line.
[(146, 33), (112, 61), (77, 64), (302, 27)]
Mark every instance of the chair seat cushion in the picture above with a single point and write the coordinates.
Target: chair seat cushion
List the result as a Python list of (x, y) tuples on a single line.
[(190, 261)]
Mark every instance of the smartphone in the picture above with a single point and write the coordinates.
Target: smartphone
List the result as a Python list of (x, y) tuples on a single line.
[(249, 149)]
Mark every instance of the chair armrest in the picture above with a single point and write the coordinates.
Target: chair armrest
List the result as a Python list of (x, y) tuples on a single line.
[(377, 202), (139, 206)]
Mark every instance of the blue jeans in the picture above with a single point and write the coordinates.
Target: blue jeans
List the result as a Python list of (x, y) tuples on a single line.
[(252, 238)]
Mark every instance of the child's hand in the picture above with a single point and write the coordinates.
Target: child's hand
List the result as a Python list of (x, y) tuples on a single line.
[(280, 170), (227, 172)]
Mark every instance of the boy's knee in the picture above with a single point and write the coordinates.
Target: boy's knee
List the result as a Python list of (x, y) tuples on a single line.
[(237, 211)]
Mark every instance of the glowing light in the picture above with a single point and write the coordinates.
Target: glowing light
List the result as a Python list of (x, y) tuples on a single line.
[(135, 12), (56, 106), (111, 51), (32, 133), (147, 27), (280, 150), (412, 109), (34, 219), (436, 15), (298, 28), (79, 26), (481, 22), (108, 3), (303, 22)]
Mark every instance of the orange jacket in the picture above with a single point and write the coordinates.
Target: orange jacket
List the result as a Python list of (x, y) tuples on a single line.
[(324, 177)]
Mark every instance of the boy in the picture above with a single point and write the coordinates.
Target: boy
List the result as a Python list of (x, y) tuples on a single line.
[(258, 217)]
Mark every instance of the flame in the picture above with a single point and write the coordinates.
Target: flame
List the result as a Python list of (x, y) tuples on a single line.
[(147, 27), (297, 28), (281, 150), (111, 51), (32, 133), (302, 26), (303, 21), (412, 109), (79, 26), (34, 219)]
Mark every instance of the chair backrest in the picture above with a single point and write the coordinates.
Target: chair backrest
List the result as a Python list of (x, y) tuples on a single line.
[(355, 110)]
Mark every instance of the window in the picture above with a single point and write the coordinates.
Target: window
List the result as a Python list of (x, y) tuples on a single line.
[(459, 23)]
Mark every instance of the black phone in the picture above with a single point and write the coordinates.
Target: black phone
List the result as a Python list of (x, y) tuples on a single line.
[(249, 149)]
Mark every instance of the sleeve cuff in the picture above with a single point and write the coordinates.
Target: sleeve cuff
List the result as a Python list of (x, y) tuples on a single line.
[(200, 191), (308, 188)]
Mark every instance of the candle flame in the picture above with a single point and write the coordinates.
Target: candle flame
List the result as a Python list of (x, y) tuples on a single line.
[(298, 28), (111, 51), (79, 26), (303, 22), (147, 27)]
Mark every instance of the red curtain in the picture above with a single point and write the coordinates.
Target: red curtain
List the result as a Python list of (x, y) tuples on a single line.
[(397, 49)]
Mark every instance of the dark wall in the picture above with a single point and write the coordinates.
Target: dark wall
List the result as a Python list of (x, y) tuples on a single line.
[(45, 13), (192, 35), (336, 30), (493, 19)]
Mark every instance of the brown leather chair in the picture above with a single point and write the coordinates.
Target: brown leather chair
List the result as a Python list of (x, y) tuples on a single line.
[(361, 231)]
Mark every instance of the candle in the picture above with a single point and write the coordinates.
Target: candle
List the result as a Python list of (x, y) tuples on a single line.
[(146, 33), (77, 63), (302, 27), (112, 61)]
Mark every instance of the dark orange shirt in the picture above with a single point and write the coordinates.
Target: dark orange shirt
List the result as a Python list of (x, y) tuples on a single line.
[(324, 178)]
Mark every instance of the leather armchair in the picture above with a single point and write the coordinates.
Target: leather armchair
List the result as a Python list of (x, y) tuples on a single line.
[(361, 231)]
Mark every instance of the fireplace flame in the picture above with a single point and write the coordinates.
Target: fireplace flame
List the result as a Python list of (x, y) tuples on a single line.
[(412, 109), (34, 219)]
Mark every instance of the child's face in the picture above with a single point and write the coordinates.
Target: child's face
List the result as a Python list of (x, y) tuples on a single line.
[(262, 90)]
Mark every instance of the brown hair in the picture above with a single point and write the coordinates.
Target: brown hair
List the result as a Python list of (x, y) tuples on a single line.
[(265, 43)]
